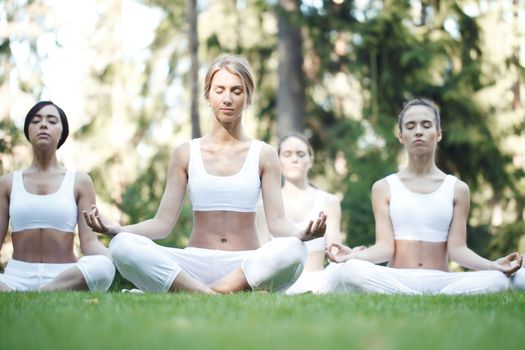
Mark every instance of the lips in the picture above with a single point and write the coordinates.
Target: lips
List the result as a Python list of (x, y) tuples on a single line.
[(42, 134)]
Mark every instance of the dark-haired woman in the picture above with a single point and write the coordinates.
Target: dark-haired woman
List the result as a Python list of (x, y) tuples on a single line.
[(44, 203), (302, 203), (420, 220)]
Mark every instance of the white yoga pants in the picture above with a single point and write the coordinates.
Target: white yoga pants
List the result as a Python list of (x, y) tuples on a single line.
[(517, 280), (362, 276), (98, 272), (151, 267)]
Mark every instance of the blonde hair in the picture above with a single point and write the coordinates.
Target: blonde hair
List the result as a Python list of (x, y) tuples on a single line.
[(235, 65)]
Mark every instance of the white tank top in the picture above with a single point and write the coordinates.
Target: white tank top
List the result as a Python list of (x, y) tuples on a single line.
[(239, 192), (56, 210), (318, 244), (421, 217)]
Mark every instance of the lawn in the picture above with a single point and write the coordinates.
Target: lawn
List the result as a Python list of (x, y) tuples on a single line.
[(91, 321)]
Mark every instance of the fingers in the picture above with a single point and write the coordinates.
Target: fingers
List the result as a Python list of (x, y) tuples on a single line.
[(307, 233), (520, 260), (94, 220)]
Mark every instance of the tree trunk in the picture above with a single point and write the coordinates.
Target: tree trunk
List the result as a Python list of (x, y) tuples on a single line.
[(193, 39), (291, 90)]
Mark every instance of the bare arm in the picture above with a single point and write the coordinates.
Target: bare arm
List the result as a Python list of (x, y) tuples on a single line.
[(5, 191), (383, 249), (457, 239), (262, 226), (85, 193), (278, 224), (333, 220), (169, 208)]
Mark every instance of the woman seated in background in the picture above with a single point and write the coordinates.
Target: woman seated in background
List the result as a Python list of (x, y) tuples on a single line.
[(225, 172), (44, 203), (302, 203), (420, 218)]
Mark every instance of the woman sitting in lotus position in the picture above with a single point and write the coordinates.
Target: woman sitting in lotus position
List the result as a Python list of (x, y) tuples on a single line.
[(224, 172), (421, 219)]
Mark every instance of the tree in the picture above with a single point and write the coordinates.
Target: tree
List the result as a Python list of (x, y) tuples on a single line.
[(291, 90), (193, 80)]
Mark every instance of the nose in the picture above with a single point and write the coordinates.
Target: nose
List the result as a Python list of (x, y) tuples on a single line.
[(418, 130), (43, 123), (226, 99)]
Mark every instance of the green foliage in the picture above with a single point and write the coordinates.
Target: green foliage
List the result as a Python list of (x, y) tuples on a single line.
[(507, 239), (142, 197), (396, 58), (9, 137)]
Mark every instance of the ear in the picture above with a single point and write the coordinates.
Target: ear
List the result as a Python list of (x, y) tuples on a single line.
[(439, 135), (399, 137), (310, 162)]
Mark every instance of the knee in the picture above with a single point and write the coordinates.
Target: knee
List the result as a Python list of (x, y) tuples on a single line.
[(98, 271), (292, 251), (353, 272), (122, 246), (497, 281), (518, 280)]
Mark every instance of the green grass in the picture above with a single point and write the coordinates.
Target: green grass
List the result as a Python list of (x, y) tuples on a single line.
[(260, 321)]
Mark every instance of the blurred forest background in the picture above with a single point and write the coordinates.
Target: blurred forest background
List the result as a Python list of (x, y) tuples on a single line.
[(129, 74)]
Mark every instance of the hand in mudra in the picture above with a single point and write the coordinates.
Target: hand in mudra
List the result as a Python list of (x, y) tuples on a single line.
[(315, 229), (99, 223), (510, 263), (340, 253)]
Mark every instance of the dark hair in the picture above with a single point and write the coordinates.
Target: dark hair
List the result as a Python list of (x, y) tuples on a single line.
[(420, 101), (36, 108), (297, 136)]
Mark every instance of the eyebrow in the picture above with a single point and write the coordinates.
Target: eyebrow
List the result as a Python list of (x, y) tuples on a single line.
[(223, 86), (45, 115), (423, 121)]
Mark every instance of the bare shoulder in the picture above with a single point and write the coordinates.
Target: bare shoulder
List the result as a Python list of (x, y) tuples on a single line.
[(268, 154), (461, 190), (181, 154), (331, 200), (83, 179), (6, 182), (381, 187), (83, 184)]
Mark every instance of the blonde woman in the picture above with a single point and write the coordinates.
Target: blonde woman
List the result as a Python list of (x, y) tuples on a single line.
[(224, 172)]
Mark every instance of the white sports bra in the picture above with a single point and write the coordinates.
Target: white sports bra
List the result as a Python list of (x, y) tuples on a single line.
[(56, 210), (239, 192), (421, 217)]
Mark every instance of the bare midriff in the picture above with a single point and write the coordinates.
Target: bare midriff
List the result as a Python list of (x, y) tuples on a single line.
[(409, 254), (44, 245), (224, 230)]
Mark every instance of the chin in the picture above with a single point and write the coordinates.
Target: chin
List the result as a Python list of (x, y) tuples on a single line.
[(293, 175)]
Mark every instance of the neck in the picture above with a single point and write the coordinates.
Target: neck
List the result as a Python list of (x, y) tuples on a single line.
[(44, 159), (296, 185), (421, 164), (228, 132)]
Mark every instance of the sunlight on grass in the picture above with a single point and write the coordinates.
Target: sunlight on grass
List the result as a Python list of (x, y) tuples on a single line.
[(260, 321)]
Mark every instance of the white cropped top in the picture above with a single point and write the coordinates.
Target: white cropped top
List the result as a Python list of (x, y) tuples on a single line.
[(239, 192), (421, 217), (318, 244), (56, 210)]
